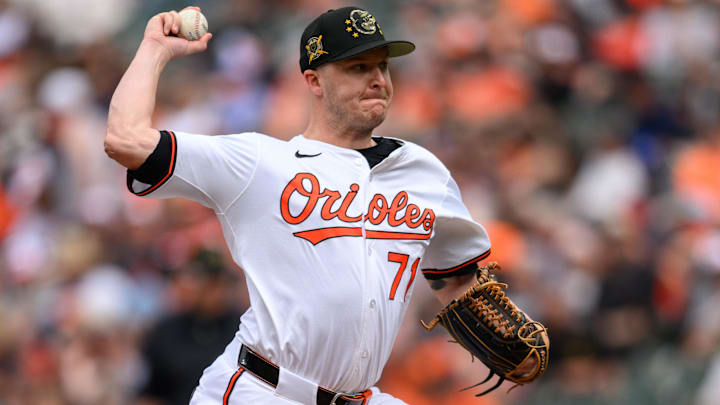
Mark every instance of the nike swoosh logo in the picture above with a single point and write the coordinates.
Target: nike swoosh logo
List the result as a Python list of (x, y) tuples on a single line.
[(300, 155)]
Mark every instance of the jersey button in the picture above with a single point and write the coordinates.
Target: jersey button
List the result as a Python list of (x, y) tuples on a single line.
[(372, 304), (358, 161), (364, 354)]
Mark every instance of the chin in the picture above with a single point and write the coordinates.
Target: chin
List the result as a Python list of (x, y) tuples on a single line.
[(375, 119), (377, 114), (368, 122)]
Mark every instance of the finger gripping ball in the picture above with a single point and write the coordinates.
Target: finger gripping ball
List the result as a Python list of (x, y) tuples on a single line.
[(193, 24)]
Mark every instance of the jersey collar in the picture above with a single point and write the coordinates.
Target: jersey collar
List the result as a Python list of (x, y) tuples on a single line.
[(311, 146)]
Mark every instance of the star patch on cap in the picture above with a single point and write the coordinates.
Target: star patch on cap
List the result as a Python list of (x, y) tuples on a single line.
[(314, 48), (362, 22)]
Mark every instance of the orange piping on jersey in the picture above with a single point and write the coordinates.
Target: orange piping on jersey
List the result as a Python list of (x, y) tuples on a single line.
[(450, 270), (171, 167), (316, 236), (231, 385)]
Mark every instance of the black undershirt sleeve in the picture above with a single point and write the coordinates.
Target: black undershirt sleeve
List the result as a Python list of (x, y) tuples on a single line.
[(156, 165)]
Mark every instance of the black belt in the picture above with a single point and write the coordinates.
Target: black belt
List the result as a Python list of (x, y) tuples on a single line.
[(269, 373)]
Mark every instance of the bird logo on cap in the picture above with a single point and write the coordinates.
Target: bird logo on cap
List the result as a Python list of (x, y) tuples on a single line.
[(362, 22), (314, 48)]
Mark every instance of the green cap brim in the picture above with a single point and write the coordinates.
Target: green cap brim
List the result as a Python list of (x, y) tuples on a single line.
[(395, 48)]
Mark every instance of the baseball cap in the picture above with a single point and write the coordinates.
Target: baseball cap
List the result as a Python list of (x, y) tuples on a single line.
[(341, 33)]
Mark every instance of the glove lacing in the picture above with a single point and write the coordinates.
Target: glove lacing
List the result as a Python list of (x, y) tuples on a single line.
[(479, 296)]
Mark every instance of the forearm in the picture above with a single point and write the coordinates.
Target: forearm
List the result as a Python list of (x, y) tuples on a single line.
[(130, 137), (448, 289), (133, 102)]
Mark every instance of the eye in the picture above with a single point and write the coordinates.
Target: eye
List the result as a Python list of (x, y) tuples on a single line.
[(383, 66), (360, 67)]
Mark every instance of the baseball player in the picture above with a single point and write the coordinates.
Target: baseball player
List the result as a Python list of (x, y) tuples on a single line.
[(331, 227)]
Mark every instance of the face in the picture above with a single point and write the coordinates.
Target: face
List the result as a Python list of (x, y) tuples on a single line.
[(357, 91)]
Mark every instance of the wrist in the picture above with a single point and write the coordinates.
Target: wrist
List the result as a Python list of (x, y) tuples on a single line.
[(155, 51)]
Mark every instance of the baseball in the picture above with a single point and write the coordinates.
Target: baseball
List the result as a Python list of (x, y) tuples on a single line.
[(194, 24)]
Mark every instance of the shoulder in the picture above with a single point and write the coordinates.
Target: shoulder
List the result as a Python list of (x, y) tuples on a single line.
[(255, 137), (421, 156), (261, 140), (228, 142)]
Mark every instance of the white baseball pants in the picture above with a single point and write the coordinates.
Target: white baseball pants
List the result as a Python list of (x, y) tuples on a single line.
[(246, 389)]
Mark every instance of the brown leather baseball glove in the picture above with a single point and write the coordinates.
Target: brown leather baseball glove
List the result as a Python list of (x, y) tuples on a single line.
[(489, 325)]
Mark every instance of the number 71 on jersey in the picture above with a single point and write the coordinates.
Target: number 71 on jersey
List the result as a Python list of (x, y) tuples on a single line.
[(402, 260)]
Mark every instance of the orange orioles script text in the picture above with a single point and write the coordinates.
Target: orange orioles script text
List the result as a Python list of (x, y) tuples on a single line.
[(396, 213)]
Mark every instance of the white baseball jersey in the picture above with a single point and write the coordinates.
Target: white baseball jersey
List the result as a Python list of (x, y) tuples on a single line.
[(330, 247)]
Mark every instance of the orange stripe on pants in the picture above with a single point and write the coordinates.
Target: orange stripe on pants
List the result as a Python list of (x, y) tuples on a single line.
[(231, 385)]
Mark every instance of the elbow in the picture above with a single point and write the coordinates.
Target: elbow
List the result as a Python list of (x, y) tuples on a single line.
[(118, 144), (115, 133), (129, 146), (113, 142)]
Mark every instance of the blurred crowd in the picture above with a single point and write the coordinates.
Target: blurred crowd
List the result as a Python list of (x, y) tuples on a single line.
[(585, 135)]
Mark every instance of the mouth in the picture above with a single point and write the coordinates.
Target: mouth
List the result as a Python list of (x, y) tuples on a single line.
[(375, 100)]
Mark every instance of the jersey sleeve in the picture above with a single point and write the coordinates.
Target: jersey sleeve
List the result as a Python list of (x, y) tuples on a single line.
[(458, 242), (211, 170)]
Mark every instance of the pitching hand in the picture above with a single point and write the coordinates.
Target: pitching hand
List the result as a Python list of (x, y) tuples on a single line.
[(160, 29)]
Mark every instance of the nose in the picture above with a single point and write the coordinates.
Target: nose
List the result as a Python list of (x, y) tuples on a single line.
[(378, 80)]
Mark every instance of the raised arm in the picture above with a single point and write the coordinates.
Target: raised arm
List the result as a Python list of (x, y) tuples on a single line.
[(130, 137)]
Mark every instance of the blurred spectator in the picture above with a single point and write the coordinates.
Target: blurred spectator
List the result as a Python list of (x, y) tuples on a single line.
[(185, 341)]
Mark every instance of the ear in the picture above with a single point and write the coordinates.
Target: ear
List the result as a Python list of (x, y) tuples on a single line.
[(312, 78)]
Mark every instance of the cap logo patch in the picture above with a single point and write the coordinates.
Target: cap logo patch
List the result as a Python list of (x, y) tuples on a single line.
[(314, 48), (363, 22)]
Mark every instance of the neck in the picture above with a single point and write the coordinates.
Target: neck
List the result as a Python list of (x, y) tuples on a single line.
[(338, 135)]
